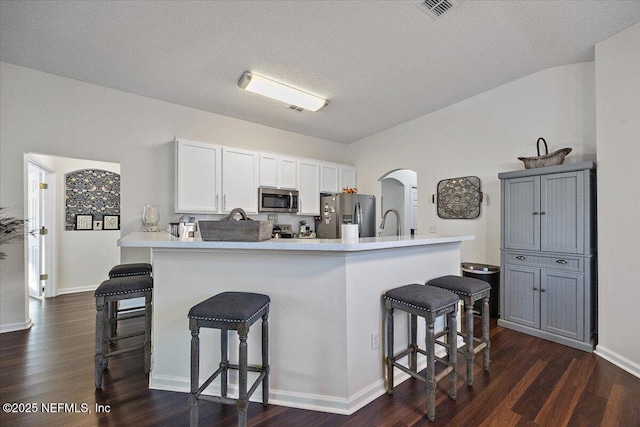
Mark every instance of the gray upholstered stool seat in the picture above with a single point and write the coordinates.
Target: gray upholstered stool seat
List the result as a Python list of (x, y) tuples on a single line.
[(230, 311), (133, 269), (430, 303), (108, 293), (115, 313), (470, 290)]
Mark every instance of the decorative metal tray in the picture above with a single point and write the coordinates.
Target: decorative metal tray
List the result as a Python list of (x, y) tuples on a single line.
[(459, 198)]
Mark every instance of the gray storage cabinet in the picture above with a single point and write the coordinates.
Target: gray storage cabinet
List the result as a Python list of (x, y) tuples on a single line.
[(548, 253)]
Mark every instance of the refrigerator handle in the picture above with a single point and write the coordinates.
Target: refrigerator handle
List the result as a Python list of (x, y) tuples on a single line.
[(359, 218)]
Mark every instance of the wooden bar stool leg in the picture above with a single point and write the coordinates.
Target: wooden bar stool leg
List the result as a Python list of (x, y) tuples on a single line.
[(265, 359), (485, 333), (453, 351), (99, 359), (243, 401), (224, 362), (468, 303), (112, 318), (431, 369), (195, 372), (413, 356), (389, 359)]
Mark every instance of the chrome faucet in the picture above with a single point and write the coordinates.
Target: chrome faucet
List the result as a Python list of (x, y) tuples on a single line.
[(384, 219)]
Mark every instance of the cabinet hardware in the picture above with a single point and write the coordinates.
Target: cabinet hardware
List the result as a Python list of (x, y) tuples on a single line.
[(543, 213), (543, 290), (224, 202), (535, 289), (535, 213), (217, 205), (561, 261), (520, 257)]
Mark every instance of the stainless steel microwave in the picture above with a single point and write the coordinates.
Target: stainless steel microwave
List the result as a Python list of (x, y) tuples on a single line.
[(276, 200)]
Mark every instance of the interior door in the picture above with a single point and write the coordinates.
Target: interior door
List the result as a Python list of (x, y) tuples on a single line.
[(37, 186)]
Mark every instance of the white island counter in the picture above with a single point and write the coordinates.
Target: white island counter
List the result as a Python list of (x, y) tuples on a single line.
[(325, 311)]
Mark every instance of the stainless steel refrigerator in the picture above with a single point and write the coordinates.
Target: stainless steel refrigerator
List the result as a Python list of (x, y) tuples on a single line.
[(338, 209)]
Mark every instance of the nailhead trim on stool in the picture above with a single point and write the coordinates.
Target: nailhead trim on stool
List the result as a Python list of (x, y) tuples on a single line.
[(229, 311), (470, 290), (133, 269), (109, 293), (430, 303)]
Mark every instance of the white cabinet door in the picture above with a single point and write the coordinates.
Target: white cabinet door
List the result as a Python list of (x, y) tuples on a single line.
[(278, 171), (198, 167), (347, 177), (308, 187), (268, 170), (240, 177), (329, 176), (287, 173)]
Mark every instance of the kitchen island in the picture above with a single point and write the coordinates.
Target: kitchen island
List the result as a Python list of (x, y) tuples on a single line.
[(326, 317)]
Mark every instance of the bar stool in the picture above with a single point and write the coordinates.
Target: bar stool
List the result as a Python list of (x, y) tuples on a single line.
[(470, 290), (430, 303), (229, 311), (124, 270), (110, 292)]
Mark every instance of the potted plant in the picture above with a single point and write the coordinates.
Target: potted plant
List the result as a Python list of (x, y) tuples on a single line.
[(11, 229)]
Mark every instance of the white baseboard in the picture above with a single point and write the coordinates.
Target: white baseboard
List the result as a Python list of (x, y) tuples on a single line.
[(12, 327), (620, 361), (77, 289)]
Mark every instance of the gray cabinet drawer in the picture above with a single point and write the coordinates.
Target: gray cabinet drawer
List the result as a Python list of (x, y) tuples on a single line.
[(555, 262)]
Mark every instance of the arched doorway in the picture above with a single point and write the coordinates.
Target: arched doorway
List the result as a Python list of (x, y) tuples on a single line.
[(399, 191)]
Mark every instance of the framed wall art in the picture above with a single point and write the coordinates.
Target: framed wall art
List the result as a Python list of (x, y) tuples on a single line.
[(84, 222), (111, 222), (459, 198)]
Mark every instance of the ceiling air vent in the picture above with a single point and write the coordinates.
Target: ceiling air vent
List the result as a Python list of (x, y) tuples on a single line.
[(437, 8)]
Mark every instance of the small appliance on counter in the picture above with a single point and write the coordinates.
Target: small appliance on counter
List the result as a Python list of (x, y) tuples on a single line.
[(282, 231), (186, 227)]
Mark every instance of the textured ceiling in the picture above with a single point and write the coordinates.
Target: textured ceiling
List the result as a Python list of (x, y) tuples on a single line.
[(380, 63)]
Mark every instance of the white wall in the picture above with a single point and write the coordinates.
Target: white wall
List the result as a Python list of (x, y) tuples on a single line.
[(47, 114), (483, 136), (83, 257), (618, 123)]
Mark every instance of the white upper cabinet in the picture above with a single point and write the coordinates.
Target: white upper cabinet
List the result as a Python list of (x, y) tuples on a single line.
[(240, 178), (214, 179), (334, 177), (308, 187), (268, 170), (287, 173), (278, 171), (348, 177), (198, 176), (329, 178)]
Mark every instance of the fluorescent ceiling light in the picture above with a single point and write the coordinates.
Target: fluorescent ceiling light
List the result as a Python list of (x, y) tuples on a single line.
[(263, 86)]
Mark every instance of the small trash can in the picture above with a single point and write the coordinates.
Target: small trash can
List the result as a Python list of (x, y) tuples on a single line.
[(490, 274)]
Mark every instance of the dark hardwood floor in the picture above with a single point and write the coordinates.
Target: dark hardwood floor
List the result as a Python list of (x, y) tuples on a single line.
[(532, 382)]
